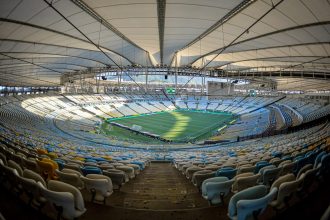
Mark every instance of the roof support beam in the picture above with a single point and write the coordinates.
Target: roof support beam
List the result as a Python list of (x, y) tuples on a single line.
[(106, 24), (275, 47), (61, 33), (52, 45), (42, 63), (301, 64), (263, 35), (50, 4), (233, 41), (32, 78), (241, 6), (161, 6), (25, 61)]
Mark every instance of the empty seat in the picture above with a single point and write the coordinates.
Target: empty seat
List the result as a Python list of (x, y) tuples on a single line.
[(260, 165), (3, 158), (90, 170), (304, 169), (300, 163), (16, 166), (228, 172), (100, 186), (286, 178), (309, 179), (285, 192), (33, 175), (18, 158), (200, 176), (249, 203), (191, 170), (135, 167), (67, 199), (245, 181), (325, 166), (31, 188), (47, 169), (318, 158), (10, 175), (31, 164), (128, 170), (73, 166), (216, 188), (60, 163), (245, 169), (106, 166), (72, 178), (287, 168), (269, 175), (118, 177)]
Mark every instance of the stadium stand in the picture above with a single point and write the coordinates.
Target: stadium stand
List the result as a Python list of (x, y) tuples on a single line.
[(164, 109)]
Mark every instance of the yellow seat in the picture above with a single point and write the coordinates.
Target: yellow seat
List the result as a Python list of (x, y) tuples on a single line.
[(107, 157), (55, 165), (41, 151), (47, 169), (79, 158), (52, 155)]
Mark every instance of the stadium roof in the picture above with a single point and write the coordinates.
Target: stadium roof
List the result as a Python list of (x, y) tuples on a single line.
[(43, 39)]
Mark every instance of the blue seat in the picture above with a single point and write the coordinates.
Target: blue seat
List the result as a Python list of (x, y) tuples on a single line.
[(260, 165), (325, 166), (60, 163), (269, 175), (277, 154), (250, 202), (287, 157), (90, 170), (232, 154), (318, 158), (311, 155), (300, 164), (90, 160), (99, 159), (228, 172)]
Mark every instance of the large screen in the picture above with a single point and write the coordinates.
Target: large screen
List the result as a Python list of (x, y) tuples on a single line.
[(170, 90)]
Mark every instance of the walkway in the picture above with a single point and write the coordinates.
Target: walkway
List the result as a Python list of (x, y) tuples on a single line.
[(159, 187)]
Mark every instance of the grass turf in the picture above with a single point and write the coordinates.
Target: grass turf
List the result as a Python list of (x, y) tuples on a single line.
[(178, 126)]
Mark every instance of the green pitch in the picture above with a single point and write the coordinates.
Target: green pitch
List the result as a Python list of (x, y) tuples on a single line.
[(177, 126)]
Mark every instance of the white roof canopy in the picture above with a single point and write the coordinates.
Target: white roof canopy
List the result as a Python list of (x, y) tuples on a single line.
[(40, 40)]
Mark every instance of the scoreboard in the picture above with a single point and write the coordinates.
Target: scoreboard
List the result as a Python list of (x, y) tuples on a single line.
[(170, 90)]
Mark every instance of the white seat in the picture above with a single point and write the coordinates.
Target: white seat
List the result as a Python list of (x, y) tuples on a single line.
[(127, 169), (32, 190), (72, 178), (99, 185), (33, 175), (118, 177), (135, 167), (67, 199), (216, 188), (191, 170), (16, 166), (250, 202), (199, 176), (286, 190)]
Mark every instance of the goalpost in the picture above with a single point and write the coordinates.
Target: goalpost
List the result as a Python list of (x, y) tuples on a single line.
[(136, 127)]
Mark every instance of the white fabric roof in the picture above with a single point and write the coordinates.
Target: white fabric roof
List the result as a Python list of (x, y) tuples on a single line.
[(40, 40)]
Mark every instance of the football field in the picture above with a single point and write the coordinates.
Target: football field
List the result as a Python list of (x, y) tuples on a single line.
[(178, 125)]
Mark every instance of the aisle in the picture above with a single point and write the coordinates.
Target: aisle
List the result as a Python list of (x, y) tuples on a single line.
[(159, 187)]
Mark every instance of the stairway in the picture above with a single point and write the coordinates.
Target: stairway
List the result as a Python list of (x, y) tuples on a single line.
[(159, 187)]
